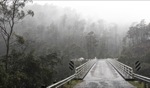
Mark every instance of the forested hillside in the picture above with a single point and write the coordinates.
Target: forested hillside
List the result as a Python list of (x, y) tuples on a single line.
[(35, 50)]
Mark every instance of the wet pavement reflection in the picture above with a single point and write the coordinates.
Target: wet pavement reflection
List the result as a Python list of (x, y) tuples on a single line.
[(103, 75)]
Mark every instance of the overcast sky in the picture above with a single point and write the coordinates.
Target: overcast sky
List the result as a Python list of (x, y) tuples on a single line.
[(120, 12)]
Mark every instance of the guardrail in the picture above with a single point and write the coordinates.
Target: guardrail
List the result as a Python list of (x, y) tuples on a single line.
[(80, 72), (142, 78), (127, 72), (145, 80), (62, 82), (83, 69), (124, 70)]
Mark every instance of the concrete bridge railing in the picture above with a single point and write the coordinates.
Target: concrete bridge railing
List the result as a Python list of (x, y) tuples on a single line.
[(83, 69), (80, 73), (127, 72), (124, 70)]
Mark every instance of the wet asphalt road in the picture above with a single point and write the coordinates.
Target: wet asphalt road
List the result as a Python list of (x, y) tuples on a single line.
[(103, 75)]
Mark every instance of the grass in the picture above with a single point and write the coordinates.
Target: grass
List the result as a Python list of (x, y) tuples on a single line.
[(137, 84), (71, 83)]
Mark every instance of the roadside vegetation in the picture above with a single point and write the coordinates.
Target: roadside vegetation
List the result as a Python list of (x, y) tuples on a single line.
[(137, 84), (72, 83)]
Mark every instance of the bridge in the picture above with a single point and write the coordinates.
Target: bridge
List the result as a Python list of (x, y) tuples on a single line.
[(104, 73)]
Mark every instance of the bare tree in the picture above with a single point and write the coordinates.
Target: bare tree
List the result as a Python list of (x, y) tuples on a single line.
[(11, 12)]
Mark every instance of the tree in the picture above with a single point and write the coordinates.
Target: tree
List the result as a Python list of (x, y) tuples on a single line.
[(11, 12), (91, 44)]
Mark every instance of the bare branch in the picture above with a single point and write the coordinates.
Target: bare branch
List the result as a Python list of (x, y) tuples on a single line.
[(4, 31), (3, 37), (13, 16), (12, 42), (4, 28)]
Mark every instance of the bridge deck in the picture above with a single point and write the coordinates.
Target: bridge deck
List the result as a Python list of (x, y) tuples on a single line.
[(103, 75)]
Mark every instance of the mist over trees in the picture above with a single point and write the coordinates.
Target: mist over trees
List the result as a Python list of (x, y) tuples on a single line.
[(43, 45), (64, 29)]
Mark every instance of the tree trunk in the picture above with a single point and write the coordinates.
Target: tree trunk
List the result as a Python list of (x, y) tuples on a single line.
[(7, 53)]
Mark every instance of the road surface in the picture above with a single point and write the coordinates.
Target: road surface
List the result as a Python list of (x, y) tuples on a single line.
[(103, 75)]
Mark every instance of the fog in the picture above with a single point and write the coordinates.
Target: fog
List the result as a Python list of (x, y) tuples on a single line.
[(39, 39), (120, 12)]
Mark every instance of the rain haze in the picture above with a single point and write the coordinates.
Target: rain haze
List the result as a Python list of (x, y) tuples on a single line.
[(120, 12), (74, 44)]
